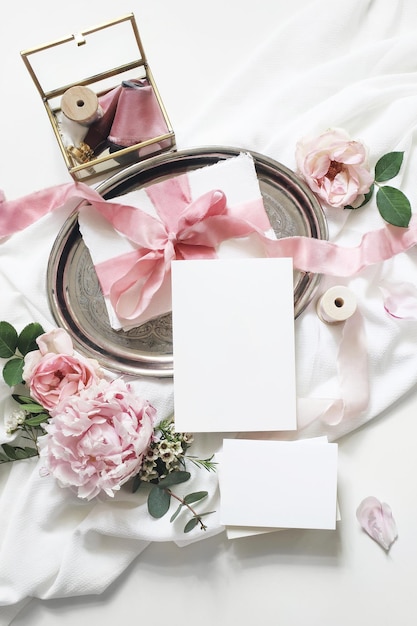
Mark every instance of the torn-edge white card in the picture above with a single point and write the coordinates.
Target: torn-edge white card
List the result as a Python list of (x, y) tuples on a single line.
[(233, 345), (297, 487)]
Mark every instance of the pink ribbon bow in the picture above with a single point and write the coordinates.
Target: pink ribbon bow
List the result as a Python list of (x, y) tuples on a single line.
[(187, 229)]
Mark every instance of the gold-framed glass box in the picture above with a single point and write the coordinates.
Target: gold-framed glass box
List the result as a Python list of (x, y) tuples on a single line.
[(91, 69)]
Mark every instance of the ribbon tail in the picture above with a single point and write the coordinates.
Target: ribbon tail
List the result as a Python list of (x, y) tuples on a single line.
[(15, 215), (132, 294), (323, 257), (352, 365)]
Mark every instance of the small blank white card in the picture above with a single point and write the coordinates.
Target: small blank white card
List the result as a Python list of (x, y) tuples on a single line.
[(233, 345), (266, 483)]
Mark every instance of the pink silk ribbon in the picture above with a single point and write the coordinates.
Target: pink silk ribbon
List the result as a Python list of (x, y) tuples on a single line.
[(187, 229), (309, 255), (193, 229)]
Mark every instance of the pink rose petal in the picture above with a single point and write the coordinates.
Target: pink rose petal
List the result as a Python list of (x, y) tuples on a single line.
[(400, 299), (376, 519)]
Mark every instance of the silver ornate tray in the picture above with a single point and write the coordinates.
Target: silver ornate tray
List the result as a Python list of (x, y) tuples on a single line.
[(74, 293)]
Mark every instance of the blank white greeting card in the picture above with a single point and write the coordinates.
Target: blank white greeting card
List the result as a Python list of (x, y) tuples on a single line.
[(236, 532), (233, 345), (294, 486)]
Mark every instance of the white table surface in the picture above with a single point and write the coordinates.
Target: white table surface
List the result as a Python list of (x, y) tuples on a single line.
[(314, 578)]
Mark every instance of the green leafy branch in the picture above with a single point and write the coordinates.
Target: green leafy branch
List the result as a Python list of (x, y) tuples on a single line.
[(9, 453), (159, 500), (393, 206), (29, 417), (28, 420), (14, 347)]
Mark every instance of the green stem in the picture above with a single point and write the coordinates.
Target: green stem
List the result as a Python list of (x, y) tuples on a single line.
[(190, 508)]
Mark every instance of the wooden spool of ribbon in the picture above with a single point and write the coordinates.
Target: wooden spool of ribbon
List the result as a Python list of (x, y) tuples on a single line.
[(80, 104), (336, 305)]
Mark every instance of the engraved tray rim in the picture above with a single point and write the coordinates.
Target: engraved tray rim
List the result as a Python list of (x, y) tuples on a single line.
[(143, 363)]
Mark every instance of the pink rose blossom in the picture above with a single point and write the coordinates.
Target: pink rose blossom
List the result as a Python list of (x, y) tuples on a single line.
[(376, 519), (55, 372), (96, 441), (335, 168)]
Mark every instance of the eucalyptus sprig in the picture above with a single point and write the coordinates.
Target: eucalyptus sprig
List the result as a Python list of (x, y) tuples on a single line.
[(393, 205), (159, 500), (164, 466)]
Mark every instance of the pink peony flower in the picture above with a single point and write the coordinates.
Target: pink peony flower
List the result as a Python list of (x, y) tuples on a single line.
[(376, 519), (96, 440), (335, 168), (55, 372)]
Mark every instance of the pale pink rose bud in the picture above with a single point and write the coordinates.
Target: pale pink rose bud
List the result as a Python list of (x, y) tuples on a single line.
[(376, 519), (335, 168)]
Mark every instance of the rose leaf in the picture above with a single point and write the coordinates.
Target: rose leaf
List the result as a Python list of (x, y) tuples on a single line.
[(22, 399), (388, 166), (9, 451), (27, 338), (393, 206), (8, 340), (13, 371), (25, 453), (37, 419), (33, 407)]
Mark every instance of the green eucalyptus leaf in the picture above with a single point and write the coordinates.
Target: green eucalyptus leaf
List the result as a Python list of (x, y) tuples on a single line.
[(37, 419), (393, 206), (136, 483), (388, 166), (8, 340), (158, 501), (4, 458), (192, 523), (177, 512), (27, 338), (174, 478), (195, 497), (13, 371)]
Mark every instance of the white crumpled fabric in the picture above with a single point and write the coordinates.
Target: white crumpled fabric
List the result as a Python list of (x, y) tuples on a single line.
[(351, 65)]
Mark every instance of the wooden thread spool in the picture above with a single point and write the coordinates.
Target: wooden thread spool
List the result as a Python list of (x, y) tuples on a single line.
[(80, 104), (336, 305)]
